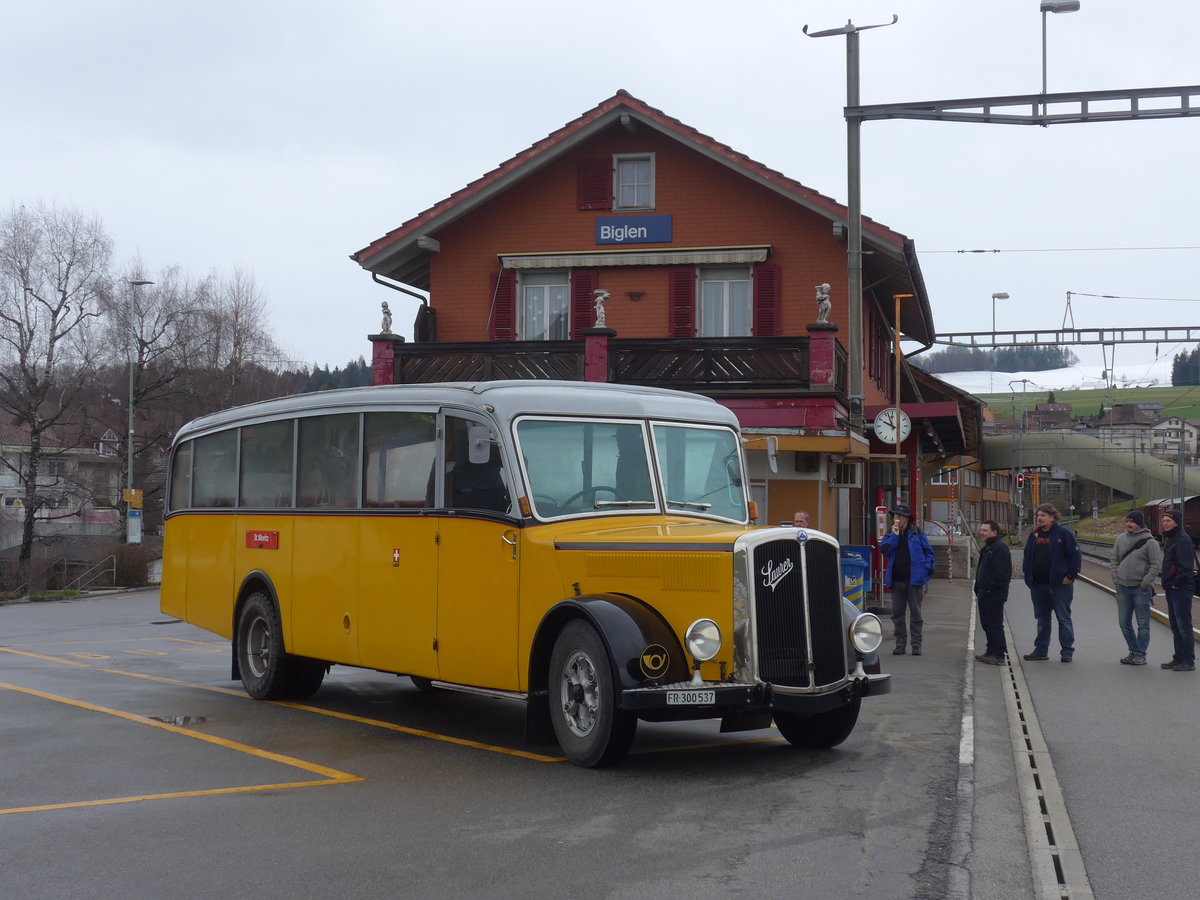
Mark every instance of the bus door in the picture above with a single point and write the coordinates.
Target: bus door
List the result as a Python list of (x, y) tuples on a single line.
[(397, 552), (478, 560)]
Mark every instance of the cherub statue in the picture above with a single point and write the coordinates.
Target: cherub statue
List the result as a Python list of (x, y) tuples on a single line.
[(601, 295), (824, 304), (386, 328)]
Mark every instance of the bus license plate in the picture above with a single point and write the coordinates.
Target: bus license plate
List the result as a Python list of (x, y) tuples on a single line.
[(691, 698)]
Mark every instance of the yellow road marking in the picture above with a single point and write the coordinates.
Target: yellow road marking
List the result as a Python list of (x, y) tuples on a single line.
[(329, 776), (418, 732), (378, 723)]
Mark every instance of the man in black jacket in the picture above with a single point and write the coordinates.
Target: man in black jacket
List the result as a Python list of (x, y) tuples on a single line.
[(1178, 578), (991, 590)]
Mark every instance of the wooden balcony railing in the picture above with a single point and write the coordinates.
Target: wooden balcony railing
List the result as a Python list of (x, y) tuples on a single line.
[(704, 365)]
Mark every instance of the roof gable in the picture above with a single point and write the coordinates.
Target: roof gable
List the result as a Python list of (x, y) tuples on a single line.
[(621, 108)]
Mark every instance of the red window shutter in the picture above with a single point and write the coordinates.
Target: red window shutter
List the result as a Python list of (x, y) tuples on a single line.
[(594, 181), (583, 301), (766, 299), (682, 293), (503, 289)]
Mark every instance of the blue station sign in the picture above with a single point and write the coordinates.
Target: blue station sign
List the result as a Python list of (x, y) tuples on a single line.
[(633, 230)]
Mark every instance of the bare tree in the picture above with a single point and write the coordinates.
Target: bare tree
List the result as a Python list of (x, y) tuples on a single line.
[(54, 273), (237, 345)]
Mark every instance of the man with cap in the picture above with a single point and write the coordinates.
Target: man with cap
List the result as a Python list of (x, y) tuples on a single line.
[(1179, 584), (910, 565), (1051, 563), (992, 576), (1135, 561)]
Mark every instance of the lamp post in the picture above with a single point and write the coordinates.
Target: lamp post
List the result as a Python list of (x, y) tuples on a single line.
[(1024, 382), (992, 377), (132, 535), (1052, 6)]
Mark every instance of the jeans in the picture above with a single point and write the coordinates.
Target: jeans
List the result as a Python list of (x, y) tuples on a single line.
[(1054, 598), (991, 619), (1134, 602), (907, 598), (1179, 608)]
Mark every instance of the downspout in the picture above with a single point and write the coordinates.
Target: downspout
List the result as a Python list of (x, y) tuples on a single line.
[(397, 286)]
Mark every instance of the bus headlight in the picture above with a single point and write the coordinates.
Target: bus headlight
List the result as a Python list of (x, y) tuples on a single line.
[(703, 639), (866, 633)]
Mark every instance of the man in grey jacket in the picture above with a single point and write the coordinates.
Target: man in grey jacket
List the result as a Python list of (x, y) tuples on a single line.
[(1135, 561)]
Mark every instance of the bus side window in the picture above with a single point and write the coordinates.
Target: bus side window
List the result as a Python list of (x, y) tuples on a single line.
[(398, 465), (328, 462), (214, 476), (472, 485), (266, 465)]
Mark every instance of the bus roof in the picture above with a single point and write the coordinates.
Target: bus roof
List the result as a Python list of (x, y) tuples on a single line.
[(507, 399)]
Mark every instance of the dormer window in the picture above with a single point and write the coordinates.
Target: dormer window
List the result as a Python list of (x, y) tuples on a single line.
[(633, 181)]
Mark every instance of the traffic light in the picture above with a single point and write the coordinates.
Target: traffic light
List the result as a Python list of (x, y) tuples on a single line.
[(1020, 481)]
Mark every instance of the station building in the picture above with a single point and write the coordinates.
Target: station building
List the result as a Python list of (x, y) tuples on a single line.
[(709, 269)]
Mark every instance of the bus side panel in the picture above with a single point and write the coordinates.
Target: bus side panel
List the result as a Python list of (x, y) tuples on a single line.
[(477, 604), (398, 593), (264, 542), (173, 592), (210, 582), (325, 590)]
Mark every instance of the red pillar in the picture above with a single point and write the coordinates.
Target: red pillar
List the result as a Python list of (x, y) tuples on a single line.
[(383, 358), (822, 352), (595, 353)]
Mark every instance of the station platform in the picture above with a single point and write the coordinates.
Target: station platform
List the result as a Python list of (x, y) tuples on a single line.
[(1074, 778)]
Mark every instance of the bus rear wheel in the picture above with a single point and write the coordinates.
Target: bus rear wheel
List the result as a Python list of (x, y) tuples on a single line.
[(268, 671), (591, 729), (820, 731)]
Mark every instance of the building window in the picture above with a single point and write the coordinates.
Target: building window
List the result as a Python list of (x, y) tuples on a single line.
[(725, 302), (633, 181), (545, 307)]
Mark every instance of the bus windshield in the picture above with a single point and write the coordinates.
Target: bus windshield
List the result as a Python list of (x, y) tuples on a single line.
[(700, 470), (595, 466)]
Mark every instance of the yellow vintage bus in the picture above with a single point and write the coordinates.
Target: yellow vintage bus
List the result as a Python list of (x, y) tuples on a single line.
[(585, 548)]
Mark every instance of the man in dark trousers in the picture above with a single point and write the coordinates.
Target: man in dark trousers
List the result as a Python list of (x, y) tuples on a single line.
[(1179, 584), (910, 565), (991, 590), (1051, 564)]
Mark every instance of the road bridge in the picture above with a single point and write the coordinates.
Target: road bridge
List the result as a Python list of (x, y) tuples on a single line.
[(1124, 469)]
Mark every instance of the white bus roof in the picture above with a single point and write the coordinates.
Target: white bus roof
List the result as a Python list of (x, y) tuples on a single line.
[(506, 399)]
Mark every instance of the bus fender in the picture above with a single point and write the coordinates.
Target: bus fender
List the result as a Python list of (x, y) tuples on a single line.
[(641, 645), (257, 580)]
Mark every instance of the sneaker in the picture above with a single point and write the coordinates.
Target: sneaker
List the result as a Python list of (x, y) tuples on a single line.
[(1035, 655), (990, 660), (1066, 657), (1169, 665), (1127, 659), (1184, 667), (916, 651), (1138, 659), (899, 651)]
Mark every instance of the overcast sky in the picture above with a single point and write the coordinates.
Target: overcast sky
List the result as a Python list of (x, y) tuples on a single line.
[(281, 137)]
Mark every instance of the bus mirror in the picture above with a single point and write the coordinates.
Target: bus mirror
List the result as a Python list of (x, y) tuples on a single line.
[(479, 444), (772, 453)]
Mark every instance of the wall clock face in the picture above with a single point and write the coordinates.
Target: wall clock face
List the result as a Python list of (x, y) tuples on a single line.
[(892, 426)]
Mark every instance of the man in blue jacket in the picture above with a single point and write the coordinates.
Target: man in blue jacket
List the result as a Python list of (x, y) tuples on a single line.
[(1052, 563), (1179, 584), (909, 567)]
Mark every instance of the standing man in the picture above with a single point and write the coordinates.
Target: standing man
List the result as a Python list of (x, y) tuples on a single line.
[(1135, 561), (909, 567), (991, 591), (1051, 565), (800, 519), (1179, 584)]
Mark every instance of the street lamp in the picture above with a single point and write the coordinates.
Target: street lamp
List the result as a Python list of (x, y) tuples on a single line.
[(1052, 6), (132, 535), (992, 379)]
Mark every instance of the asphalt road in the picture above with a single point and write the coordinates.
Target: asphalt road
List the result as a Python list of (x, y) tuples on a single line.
[(132, 766)]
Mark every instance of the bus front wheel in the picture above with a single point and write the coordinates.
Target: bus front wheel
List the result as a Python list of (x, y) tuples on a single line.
[(592, 731), (268, 672)]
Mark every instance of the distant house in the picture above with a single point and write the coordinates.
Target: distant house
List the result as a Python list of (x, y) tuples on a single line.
[(77, 490)]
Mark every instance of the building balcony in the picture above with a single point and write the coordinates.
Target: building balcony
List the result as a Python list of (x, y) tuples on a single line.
[(712, 366)]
